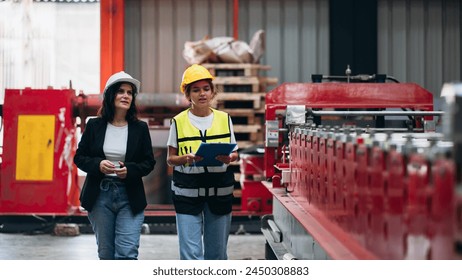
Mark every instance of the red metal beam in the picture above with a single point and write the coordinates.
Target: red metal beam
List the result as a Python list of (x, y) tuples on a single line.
[(351, 95), (112, 38)]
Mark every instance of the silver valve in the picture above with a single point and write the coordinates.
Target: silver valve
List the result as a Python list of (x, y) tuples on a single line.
[(348, 73)]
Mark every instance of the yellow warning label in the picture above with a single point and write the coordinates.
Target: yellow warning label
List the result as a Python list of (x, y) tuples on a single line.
[(35, 149)]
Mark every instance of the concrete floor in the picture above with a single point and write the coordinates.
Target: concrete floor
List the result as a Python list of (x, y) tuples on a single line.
[(18, 246)]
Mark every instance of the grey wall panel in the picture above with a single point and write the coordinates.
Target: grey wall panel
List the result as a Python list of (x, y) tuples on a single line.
[(201, 19), (149, 43), (399, 31), (219, 17), (132, 60), (183, 33), (434, 47), (296, 33), (274, 38), (256, 20), (297, 43), (419, 41), (245, 18), (291, 44), (309, 42), (383, 37), (322, 35), (165, 51), (415, 52), (451, 41)]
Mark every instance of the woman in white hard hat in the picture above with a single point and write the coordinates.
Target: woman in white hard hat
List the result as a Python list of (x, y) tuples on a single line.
[(116, 152), (202, 195)]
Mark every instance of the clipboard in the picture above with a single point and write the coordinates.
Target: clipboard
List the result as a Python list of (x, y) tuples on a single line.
[(210, 150)]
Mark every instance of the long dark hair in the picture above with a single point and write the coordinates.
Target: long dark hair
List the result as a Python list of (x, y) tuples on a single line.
[(107, 110)]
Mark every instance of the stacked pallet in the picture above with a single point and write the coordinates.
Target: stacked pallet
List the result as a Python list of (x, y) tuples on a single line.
[(241, 93)]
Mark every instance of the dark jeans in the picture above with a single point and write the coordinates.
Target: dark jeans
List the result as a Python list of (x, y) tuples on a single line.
[(117, 230)]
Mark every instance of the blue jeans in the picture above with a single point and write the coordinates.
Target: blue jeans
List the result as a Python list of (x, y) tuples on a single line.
[(117, 230), (214, 229)]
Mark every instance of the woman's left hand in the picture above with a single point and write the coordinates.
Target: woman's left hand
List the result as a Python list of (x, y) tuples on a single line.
[(224, 158)]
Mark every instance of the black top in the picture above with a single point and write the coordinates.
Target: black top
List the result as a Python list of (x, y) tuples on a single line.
[(139, 160)]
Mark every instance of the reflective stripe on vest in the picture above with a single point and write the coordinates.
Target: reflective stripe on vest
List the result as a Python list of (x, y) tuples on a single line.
[(191, 169), (189, 138), (202, 191)]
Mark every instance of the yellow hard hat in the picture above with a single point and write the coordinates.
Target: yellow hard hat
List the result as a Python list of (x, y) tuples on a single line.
[(193, 74)]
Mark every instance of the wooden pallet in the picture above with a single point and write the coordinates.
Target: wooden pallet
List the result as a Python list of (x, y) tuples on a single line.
[(248, 132), (264, 82), (245, 116), (237, 84), (235, 69), (247, 144), (247, 128), (238, 100), (242, 92)]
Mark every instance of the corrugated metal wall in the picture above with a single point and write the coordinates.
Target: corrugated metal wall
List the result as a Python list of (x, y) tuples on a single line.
[(297, 36), (420, 41)]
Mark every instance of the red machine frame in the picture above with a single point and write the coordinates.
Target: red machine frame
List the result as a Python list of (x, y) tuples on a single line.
[(340, 95)]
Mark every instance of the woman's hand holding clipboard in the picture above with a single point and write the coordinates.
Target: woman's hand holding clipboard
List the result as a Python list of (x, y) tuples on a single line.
[(213, 153)]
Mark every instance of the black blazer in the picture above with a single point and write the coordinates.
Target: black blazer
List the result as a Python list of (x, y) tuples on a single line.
[(139, 161)]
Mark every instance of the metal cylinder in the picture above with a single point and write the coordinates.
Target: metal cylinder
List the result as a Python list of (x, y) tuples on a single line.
[(162, 99), (88, 104)]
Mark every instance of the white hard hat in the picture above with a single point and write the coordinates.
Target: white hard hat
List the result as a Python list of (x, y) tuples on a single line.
[(122, 77)]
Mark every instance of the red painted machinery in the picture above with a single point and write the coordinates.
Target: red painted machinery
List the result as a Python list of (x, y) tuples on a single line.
[(255, 198), (37, 173), (357, 171)]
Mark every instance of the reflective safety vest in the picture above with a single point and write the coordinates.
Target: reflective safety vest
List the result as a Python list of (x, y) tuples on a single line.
[(189, 139)]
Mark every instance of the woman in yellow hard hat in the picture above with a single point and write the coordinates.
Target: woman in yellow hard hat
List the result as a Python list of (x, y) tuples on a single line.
[(202, 194), (116, 152)]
